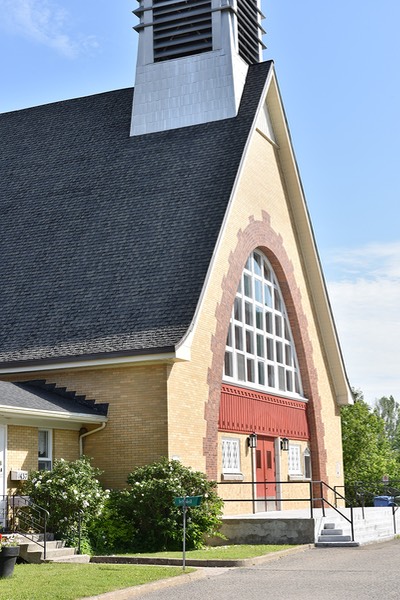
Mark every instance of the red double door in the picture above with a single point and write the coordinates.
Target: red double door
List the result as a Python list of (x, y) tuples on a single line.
[(265, 468)]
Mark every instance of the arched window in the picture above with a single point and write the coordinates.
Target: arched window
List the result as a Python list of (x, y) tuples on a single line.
[(260, 351)]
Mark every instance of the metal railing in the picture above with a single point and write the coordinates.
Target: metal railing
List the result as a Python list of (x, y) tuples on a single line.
[(316, 497), (18, 514)]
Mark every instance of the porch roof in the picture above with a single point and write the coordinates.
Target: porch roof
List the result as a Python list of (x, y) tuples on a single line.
[(39, 397)]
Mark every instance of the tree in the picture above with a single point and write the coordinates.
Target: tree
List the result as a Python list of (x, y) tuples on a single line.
[(367, 451), (389, 410)]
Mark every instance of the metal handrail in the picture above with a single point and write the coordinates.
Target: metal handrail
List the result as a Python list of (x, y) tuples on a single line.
[(311, 499), (35, 520), (325, 500)]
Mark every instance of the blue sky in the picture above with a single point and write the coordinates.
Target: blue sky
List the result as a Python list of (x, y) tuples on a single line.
[(337, 65)]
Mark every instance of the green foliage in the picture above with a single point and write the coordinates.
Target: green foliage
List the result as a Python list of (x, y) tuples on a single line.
[(367, 452), (148, 507), (389, 410), (69, 490), (111, 533)]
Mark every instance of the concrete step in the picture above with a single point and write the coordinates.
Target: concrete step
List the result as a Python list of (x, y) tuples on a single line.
[(31, 546), (76, 558), (324, 544), (334, 538), (64, 552), (33, 552), (35, 537)]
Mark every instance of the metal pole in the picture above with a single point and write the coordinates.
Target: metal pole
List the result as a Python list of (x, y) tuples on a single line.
[(184, 508), (79, 532), (45, 537), (352, 523), (311, 499), (394, 519), (253, 477)]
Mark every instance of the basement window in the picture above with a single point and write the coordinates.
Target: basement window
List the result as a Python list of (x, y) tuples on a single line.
[(45, 443)]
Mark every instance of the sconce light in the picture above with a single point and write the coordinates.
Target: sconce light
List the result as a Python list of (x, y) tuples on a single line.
[(252, 440), (284, 444)]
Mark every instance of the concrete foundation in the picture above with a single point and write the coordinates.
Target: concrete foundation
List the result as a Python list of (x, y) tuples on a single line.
[(266, 531)]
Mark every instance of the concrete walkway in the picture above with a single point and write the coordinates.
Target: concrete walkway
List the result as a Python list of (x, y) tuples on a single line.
[(369, 572)]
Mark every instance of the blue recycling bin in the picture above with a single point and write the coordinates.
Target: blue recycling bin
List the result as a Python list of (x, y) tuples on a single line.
[(384, 501)]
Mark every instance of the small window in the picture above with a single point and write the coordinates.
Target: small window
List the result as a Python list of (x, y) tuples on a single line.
[(294, 460), (307, 464), (299, 462), (45, 450), (230, 455)]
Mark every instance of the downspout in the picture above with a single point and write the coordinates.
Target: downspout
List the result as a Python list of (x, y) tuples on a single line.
[(83, 435)]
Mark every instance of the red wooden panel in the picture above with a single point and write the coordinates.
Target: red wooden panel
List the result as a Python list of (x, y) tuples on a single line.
[(242, 411)]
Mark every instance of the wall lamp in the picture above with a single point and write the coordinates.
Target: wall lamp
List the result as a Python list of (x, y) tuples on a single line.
[(252, 440), (284, 444)]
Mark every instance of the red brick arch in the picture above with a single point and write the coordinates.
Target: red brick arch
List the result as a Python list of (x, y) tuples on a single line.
[(259, 234)]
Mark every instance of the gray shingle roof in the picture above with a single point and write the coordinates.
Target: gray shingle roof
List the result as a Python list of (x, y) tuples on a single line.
[(39, 395), (105, 240)]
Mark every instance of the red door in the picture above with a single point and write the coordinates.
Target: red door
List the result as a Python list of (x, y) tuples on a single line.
[(265, 467)]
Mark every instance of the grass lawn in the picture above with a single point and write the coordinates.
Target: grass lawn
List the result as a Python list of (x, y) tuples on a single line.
[(72, 581), (223, 552)]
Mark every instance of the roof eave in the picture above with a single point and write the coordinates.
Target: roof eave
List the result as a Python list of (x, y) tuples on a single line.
[(168, 354), (16, 411)]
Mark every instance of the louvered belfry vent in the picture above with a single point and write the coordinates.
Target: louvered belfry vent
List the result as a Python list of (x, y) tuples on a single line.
[(181, 28), (249, 30)]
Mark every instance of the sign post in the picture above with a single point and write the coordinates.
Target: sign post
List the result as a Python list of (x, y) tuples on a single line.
[(185, 502)]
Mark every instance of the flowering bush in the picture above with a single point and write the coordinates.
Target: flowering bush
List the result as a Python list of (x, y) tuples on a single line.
[(148, 506), (70, 490)]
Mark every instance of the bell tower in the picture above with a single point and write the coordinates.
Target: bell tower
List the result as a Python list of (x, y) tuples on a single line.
[(192, 61)]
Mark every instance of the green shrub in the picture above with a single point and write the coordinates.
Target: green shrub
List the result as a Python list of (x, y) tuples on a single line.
[(148, 506), (111, 532), (69, 490)]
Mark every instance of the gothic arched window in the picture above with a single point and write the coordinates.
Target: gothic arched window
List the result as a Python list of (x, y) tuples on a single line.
[(260, 352)]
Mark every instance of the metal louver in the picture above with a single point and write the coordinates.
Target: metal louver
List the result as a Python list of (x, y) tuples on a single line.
[(181, 28), (249, 30)]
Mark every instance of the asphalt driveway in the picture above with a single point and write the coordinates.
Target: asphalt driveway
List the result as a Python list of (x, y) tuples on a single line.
[(367, 572)]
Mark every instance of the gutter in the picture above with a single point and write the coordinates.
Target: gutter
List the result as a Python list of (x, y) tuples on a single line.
[(45, 414)]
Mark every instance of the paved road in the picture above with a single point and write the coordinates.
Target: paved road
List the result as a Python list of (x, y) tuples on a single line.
[(367, 572)]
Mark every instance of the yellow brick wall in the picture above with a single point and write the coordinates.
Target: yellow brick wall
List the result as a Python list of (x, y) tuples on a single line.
[(65, 444), (136, 432), (260, 189), (229, 490), (22, 451)]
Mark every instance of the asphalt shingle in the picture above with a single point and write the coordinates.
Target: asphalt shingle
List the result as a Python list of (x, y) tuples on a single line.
[(41, 396), (105, 240)]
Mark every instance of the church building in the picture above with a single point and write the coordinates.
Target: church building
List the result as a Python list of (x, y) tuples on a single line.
[(160, 287)]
